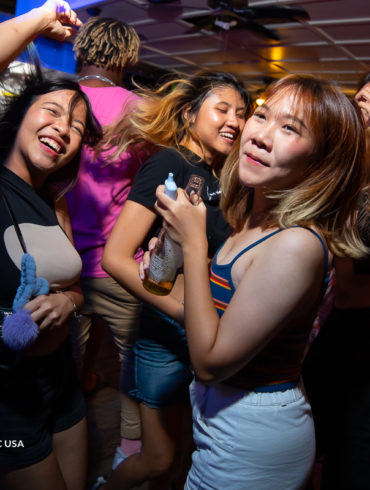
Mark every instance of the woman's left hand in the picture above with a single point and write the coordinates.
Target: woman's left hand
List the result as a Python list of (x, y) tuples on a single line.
[(184, 222), (50, 311)]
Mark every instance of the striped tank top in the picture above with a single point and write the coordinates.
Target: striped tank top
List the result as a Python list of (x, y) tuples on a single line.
[(280, 361)]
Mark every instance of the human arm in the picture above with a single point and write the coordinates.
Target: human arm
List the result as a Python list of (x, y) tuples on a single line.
[(126, 237), (278, 286), (53, 19)]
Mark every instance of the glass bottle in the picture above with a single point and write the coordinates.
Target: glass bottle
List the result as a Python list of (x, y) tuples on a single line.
[(167, 256)]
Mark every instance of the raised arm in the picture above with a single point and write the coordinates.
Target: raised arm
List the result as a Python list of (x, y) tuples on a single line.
[(280, 286), (126, 237), (53, 19)]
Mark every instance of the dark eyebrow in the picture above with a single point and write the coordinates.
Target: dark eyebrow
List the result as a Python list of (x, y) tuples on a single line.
[(242, 108), (62, 109), (286, 116)]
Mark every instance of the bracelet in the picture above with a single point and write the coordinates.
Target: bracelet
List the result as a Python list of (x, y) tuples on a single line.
[(75, 313)]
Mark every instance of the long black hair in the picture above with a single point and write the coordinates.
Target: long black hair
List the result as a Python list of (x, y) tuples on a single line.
[(15, 106)]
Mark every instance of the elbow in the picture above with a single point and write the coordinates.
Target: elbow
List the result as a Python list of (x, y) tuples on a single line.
[(206, 380), (206, 376), (211, 373), (109, 262)]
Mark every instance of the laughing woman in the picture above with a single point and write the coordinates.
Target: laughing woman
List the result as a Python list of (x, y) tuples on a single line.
[(42, 413), (290, 196), (194, 123)]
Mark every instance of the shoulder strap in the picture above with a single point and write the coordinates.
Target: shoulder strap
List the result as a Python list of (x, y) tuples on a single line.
[(15, 223), (326, 254), (254, 244)]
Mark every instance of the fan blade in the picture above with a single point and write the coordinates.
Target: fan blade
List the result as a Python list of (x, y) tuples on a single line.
[(162, 1), (215, 13), (259, 29), (228, 4), (274, 12), (201, 21), (208, 22)]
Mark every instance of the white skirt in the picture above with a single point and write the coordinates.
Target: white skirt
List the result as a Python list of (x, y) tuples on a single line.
[(247, 440)]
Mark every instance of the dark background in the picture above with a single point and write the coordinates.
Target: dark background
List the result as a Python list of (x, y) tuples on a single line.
[(8, 6)]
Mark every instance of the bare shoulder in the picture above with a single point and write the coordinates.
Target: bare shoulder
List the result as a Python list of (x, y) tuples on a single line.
[(61, 210), (298, 244)]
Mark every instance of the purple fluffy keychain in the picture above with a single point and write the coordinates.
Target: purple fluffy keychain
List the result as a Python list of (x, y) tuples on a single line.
[(19, 330)]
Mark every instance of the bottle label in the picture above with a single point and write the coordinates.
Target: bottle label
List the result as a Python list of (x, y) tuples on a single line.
[(164, 264)]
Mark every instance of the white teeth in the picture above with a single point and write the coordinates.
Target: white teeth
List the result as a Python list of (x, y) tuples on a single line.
[(51, 143), (229, 136)]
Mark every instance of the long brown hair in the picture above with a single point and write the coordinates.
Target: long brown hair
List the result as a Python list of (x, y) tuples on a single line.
[(157, 119), (328, 193)]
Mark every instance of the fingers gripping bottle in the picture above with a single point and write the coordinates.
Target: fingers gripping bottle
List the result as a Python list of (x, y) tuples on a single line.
[(167, 255)]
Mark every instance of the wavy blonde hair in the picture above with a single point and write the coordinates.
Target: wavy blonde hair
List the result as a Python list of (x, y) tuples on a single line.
[(157, 118), (328, 193)]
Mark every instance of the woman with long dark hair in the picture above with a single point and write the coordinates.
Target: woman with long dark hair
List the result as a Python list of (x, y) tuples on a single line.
[(42, 412)]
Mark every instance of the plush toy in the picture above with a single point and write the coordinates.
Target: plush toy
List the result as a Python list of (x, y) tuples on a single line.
[(19, 330)]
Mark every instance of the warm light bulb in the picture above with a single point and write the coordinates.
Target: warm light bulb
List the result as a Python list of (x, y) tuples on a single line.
[(260, 101)]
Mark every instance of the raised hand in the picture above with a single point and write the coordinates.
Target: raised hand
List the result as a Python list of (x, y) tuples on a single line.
[(60, 20)]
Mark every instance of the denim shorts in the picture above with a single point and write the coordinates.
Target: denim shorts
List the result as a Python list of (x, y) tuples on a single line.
[(162, 363), (249, 440), (39, 396)]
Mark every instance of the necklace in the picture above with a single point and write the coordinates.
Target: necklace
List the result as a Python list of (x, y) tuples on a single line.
[(103, 79)]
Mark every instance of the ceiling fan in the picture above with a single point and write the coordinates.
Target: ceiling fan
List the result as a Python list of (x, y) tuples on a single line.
[(230, 14)]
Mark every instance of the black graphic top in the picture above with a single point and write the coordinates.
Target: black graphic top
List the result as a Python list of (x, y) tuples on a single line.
[(56, 258), (155, 171)]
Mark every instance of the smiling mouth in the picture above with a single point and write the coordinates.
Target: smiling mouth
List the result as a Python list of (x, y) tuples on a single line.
[(228, 136), (52, 144)]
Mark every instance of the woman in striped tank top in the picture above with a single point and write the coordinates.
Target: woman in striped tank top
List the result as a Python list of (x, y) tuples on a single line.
[(290, 195)]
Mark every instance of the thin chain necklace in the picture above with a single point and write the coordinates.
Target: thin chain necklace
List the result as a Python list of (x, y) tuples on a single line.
[(103, 79)]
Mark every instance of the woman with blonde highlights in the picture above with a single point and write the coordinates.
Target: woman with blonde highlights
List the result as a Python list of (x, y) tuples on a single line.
[(290, 195), (192, 124), (321, 195)]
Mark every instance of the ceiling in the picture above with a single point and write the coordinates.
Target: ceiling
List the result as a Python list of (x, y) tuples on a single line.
[(334, 44)]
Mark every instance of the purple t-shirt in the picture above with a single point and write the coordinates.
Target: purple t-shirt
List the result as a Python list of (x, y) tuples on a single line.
[(102, 187)]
